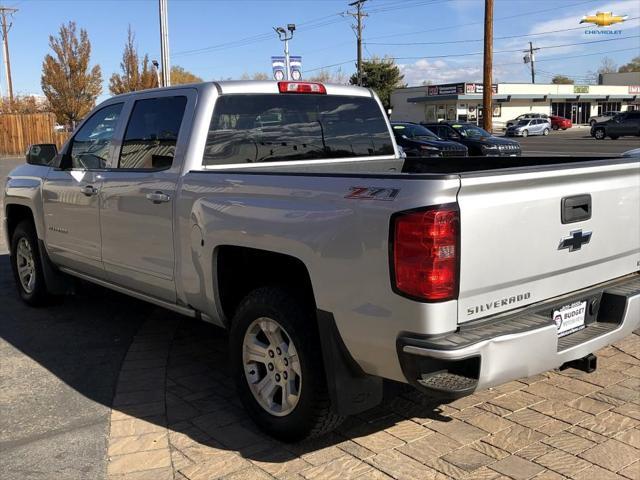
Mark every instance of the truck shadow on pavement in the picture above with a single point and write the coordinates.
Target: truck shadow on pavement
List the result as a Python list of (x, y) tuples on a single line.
[(86, 342)]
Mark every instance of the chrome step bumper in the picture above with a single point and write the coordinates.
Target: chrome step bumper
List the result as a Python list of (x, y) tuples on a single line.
[(497, 350)]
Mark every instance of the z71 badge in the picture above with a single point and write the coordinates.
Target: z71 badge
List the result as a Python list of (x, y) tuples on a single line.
[(373, 193)]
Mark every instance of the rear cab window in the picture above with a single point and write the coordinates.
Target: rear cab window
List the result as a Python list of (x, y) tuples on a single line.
[(254, 128)]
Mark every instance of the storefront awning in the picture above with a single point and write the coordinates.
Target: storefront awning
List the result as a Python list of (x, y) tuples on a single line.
[(472, 96)]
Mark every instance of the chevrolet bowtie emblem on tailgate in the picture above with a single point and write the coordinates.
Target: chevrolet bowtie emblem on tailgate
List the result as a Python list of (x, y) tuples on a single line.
[(575, 240)]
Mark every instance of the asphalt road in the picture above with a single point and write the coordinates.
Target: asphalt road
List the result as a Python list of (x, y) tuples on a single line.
[(58, 371), (575, 141)]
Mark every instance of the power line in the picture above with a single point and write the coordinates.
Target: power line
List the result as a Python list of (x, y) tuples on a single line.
[(431, 57), (473, 40), (524, 14)]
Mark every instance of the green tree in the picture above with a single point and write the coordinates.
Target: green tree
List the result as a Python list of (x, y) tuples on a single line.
[(562, 80), (179, 76), (632, 66), (383, 76), (70, 85), (135, 75)]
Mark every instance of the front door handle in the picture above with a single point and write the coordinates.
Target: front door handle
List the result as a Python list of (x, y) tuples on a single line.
[(158, 197), (89, 190)]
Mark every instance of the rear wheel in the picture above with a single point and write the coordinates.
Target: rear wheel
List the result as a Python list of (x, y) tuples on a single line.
[(545, 132), (525, 133), (555, 127), (26, 265), (277, 365), (599, 134)]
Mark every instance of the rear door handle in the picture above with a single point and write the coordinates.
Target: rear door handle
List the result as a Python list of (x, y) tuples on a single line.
[(158, 197), (89, 190)]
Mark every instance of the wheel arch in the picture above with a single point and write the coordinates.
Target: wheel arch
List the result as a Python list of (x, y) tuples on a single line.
[(238, 270)]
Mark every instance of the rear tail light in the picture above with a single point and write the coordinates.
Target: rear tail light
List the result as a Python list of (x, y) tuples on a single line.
[(301, 87), (425, 253)]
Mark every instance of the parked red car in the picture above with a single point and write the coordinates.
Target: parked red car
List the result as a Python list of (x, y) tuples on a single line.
[(560, 122)]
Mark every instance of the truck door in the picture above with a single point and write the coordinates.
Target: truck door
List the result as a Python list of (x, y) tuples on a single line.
[(71, 193), (138, 194)]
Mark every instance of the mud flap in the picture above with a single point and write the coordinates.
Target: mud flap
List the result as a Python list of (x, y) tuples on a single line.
[(352, 391), (56, 282)]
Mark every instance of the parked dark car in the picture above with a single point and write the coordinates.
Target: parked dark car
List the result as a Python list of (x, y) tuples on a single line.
[(560, 123), (478, 141), (623, 124), (418, 141)]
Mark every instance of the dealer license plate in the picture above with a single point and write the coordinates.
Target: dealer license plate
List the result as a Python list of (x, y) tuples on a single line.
[(570, 318)]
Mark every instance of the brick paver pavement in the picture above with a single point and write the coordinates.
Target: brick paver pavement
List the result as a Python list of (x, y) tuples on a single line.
[(176, 416)]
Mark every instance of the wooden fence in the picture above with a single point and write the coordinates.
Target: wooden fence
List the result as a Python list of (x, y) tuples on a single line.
[(18, 131)]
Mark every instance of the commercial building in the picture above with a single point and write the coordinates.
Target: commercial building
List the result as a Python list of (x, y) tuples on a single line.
[(463, 101)]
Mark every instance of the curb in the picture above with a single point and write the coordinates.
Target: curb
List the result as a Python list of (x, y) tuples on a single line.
[(138, 445)]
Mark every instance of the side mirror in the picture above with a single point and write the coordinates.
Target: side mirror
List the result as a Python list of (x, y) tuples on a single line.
[(41, 154)]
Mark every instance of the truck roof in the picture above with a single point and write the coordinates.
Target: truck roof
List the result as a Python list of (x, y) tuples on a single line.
[(256, 86)]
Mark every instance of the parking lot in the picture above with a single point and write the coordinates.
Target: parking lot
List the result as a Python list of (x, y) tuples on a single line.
[(575, 141), (104, 386)]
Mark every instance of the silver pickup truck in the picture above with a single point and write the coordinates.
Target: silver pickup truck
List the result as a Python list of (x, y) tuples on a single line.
[(284, 212)]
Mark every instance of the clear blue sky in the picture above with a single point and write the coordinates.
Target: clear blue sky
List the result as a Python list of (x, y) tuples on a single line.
[(226, 38)]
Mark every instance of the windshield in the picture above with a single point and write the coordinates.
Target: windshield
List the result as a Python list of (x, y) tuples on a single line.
[(422, 133), (275, 127), (471, 131)]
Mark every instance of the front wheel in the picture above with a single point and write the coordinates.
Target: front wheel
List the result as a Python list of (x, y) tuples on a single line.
[(26, 265), (545, 132), (277, 365), (599, 134), (525, 133)]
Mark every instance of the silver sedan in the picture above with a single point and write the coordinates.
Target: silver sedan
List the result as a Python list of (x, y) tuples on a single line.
[(524, 128)]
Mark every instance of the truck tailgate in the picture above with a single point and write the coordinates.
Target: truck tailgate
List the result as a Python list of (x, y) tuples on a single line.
[(515, 248)]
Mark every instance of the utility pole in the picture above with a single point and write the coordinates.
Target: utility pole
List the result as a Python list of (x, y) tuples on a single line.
[(5, 47), (487, 91), (283, 36), (358, 15), (164, 44), (530, 58)]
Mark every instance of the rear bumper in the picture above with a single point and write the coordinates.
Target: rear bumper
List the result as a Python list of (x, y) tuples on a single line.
[(499, 350)]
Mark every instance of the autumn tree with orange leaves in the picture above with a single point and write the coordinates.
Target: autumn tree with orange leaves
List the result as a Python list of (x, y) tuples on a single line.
[(69, 83)]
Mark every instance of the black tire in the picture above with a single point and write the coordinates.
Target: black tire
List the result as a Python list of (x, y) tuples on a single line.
[(38, 295), (525, 133), (313, 415), (545, 132), (555, 127), (599, 134)]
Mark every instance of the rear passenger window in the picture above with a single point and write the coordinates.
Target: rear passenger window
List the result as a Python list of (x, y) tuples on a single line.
[(275, 127), (150, 139)]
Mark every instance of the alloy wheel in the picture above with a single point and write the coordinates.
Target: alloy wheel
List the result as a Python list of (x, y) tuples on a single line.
[(271, 366), (25, 264)]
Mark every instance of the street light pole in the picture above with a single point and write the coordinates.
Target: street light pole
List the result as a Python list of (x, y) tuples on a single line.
[(164, 44), (285, 37)]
